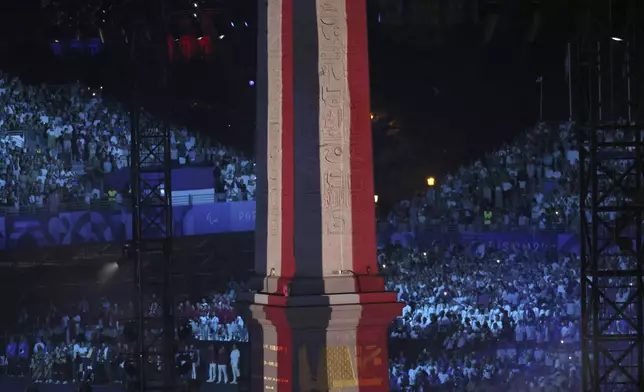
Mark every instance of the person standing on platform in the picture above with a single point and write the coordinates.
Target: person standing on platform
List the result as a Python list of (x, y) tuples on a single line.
[(212, 366), (195, 362), (234, 363), (222, 361)]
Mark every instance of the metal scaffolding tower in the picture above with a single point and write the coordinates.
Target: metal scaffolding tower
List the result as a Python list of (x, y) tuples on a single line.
[(151, 191), (152, 251), (611, 200)]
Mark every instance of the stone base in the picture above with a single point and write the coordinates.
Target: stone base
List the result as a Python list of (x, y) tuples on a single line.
[(332, 342)]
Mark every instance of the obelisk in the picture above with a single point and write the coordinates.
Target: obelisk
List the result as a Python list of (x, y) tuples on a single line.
[(320, 311)]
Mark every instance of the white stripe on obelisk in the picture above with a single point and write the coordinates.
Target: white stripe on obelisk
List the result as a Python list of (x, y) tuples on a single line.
[(335, 118), (274, 140)]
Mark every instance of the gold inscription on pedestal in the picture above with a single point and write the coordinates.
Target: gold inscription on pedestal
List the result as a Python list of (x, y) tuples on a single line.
[(273, 347), (336, 368), (270, 363), (275, 379)]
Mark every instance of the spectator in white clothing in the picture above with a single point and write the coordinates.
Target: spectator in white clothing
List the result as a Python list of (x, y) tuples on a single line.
[(234, 363)]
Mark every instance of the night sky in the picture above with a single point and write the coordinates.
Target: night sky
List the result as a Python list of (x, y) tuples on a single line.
[(449, 97)]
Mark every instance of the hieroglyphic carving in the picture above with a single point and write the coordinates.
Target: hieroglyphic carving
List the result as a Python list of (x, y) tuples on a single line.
[(274, 181), (274, 137), (337, 222), (337, 196), (335, 111)]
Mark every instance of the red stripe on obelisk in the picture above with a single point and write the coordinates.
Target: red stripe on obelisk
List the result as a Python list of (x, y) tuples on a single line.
[(277, 314), (362, 202), (288, 205), (368, 337)]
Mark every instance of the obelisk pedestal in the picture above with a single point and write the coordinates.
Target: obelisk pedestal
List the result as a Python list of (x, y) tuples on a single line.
[(319, 312)]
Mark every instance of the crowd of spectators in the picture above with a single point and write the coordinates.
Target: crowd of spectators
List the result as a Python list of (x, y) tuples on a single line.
[(476, 317), (59, 142), (485, 316), (88, 341), (531, 183), (215, 319), (482, 317)]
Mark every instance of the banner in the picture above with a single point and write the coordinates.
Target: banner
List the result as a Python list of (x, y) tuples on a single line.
[(66, 228), (217, 218), (77, 228), (531, 241), (506, 241), (183, 179)]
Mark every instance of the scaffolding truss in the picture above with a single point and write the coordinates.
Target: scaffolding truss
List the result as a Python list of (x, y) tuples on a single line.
[(151, 250), (612, 254), (611, 200)]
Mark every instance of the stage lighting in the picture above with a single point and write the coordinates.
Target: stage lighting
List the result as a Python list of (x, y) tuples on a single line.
[(196, 25), (128, 253), (174, 32), (220, 30), (56, 34)]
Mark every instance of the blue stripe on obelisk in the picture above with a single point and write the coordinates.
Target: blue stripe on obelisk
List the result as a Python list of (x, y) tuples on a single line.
[(261, 143), (308, 207), (307, 228)]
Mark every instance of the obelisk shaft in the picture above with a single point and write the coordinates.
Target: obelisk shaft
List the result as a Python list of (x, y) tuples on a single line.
[(320, 314)]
